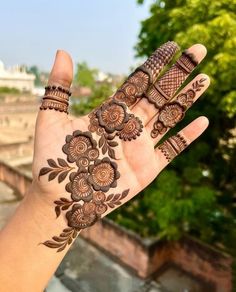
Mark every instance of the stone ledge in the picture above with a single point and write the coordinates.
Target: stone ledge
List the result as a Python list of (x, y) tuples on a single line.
[(14, 178), (146, 257)]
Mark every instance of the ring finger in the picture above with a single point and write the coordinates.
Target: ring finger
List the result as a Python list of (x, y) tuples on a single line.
[(173, 112)]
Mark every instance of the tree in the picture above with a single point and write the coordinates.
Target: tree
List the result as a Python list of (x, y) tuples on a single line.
[(100, 92), (196, 194), (35, 70), (85, 76)]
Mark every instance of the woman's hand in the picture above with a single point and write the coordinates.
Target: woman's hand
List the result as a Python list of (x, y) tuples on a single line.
[(86, 167)]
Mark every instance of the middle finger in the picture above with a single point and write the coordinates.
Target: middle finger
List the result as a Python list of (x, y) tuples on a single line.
[(164, 89)]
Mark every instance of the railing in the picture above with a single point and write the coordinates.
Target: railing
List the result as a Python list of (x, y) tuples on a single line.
[(14, 178)]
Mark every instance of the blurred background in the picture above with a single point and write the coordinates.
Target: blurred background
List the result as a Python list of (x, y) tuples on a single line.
[(179, 234)]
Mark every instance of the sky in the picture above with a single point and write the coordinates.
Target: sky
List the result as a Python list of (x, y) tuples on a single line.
[(101, 32)]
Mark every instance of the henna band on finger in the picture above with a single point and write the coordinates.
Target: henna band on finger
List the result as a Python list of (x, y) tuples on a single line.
[(56, 98), (138, 82), (164, 89), (173, 146), (172, 113)]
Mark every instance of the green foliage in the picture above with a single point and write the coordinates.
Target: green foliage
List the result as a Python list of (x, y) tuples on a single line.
[(85, 76), (8, 90), (100, 92), (36, 72), (196, 193)]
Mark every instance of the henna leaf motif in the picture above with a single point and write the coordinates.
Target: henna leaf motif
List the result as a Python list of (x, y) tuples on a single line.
[(52, 175), (62, 162), (101, 141), (104, 148), (112, 143), (65, 238), (198, 84), (62, 204), (60, 169), (111, 153), (106, 144), (44, 170), (115, 199), (52, 163)]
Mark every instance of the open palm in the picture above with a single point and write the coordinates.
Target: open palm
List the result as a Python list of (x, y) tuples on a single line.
[(86, 167)]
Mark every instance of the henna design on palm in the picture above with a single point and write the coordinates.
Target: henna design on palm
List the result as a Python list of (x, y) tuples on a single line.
[(94, 175), (61, 169), (91, 165)]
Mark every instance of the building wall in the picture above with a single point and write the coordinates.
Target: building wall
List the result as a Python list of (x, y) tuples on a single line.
[(16, 77), (21, 84)]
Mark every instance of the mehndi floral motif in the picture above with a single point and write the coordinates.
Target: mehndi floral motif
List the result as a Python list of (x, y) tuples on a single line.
[(138, 82), (110, 120), (112, 116), (89, 180), (93, 171), (103, 174), (133, 88), (78, 145), (171, 113), (132, 129), (82, 216), (79, 187)]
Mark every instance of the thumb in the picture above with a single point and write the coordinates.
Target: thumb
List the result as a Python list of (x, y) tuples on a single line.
[(56, 98), (62, 70)]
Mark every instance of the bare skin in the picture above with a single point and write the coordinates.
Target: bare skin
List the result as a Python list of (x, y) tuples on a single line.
[(138, 161)]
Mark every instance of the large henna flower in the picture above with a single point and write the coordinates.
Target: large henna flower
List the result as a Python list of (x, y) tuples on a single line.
[(79, 187), (171, 114), (82, 216), (103, 174), (112, 116), (77, 145)]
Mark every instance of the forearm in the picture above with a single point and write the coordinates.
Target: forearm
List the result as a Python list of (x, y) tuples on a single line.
[(25, 264)]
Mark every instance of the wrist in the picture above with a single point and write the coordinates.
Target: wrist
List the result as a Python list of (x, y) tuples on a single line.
[(42, 214)]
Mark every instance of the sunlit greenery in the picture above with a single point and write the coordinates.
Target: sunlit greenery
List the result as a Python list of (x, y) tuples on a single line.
[(85, 76), (9, 90), (100, 92)]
